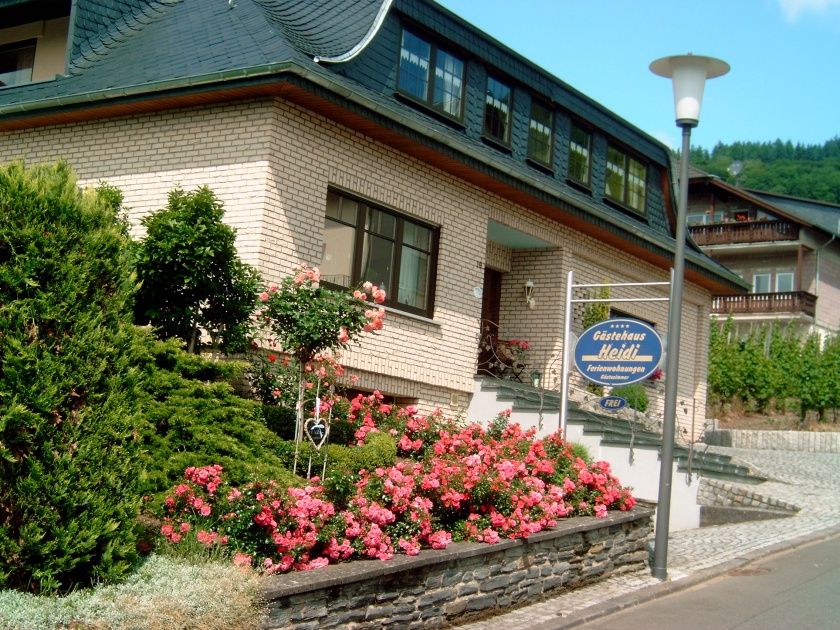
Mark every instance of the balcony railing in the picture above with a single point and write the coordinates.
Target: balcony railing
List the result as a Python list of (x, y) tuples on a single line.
[(744, 232), (756, 303)]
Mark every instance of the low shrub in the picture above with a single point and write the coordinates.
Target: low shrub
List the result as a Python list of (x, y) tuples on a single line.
[(192, 422), (635, 395)]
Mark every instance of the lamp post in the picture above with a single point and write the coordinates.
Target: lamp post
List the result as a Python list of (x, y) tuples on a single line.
[(688, 74)]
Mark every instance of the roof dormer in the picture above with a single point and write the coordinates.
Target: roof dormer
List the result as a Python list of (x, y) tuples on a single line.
[(33, 40)]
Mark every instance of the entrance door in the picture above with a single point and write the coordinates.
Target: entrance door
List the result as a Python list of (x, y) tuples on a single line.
[(491, 298)]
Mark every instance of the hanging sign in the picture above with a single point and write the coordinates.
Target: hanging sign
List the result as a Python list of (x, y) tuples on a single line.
[(618, 352), (612, 403)]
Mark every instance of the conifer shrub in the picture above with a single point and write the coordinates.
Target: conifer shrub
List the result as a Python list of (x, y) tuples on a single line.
[(69, 392), (194, 417)]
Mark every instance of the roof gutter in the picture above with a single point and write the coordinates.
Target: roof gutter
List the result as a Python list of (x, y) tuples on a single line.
[(322, 79)]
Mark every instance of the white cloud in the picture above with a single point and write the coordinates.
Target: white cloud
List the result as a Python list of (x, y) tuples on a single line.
[(793, 9)]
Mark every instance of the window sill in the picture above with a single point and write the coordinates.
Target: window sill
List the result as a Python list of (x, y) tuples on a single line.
[(584, 188), (496, 143), (625, 209), (413, 316), (457, 123), (545, 168)]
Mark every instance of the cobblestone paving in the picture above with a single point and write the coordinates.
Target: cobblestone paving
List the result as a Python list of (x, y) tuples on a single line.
[(808, 480)]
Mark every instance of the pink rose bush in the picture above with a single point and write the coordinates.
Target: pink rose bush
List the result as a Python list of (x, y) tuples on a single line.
[(452, 483)]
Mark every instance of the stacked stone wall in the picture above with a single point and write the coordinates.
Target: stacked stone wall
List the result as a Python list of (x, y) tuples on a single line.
[(465, 581)]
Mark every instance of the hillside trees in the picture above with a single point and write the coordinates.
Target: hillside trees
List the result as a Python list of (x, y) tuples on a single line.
[(808, 171), (192, 278), (69, 438)]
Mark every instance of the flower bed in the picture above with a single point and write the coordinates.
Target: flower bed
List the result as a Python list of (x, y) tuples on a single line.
[(461, 483)]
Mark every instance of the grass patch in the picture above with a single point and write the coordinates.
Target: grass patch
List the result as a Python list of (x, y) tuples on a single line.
[(166, 592)]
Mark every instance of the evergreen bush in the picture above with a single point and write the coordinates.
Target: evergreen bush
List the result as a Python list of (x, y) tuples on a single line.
[(194, 417), (634, 394), (192, 278), (69, 442)]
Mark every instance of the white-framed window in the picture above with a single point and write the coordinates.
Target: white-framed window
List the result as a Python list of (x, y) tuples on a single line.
[(761, 282), (784, 282)]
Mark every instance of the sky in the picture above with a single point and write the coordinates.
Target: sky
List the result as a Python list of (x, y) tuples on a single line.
[(784, 81)]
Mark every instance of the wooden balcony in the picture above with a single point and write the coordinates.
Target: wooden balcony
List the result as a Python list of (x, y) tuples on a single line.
[(744, 232), (765, 303)]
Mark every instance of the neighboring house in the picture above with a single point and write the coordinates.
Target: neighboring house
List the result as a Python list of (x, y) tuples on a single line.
[(786, 248), (381, 140)]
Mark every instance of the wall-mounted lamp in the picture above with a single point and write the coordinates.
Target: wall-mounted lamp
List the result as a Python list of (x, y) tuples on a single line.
[(529, 294), (536, 379)]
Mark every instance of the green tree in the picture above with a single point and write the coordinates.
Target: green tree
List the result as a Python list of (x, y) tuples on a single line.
[(724, 377), (192, 278), (69, 442), (756, 381), (813, 387)]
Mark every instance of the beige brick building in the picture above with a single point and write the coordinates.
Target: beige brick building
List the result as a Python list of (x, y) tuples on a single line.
[(276, 134)]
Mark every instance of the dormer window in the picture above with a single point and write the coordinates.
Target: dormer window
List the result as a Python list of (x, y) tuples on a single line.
[(431, 75), (580, 142), (497, 111), (33, 40), (16, 63), (540, 134), (626, 180)]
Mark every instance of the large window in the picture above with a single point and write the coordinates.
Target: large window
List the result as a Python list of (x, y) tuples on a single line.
[(497, 111), (363, 242), (580, 142), (431, 75), (540, 136), (626, 180), (16, 62)]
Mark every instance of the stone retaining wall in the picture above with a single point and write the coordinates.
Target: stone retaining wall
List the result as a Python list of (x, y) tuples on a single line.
[(809, 441), (465, 581), (717, 493)]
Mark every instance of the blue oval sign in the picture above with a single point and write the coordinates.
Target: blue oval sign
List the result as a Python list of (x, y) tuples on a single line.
[(618, 352), (612, 403)]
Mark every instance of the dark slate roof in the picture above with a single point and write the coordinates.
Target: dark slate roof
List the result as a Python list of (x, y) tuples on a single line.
[(819, 214), (323, 28), (132, 49)]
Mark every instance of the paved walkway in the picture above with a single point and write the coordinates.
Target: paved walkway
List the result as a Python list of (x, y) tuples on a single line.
[(808, 480)]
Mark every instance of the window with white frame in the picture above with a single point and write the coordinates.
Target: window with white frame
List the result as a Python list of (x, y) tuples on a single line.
[(784, 282), (761, 283)]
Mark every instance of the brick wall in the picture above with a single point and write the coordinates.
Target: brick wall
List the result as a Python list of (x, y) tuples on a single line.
[(271, 164)]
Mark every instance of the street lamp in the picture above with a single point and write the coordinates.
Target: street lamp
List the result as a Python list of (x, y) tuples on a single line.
[(688, 73)]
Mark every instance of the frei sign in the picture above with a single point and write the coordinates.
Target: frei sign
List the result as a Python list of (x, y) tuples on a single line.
[(618, 352)]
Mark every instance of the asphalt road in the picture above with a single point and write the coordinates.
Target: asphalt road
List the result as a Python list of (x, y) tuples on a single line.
[(794, 590)]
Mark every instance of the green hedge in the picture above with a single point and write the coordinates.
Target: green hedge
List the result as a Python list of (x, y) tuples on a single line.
[(70, 394)]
